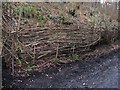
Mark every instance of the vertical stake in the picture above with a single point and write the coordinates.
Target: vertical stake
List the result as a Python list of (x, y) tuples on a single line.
[(57, 51), (13, 70), (73, 49)]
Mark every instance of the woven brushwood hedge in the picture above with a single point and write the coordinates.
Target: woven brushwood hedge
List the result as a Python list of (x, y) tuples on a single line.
[(39, 45)]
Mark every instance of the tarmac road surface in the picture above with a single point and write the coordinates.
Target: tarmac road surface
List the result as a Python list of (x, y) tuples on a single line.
[(101, 72)]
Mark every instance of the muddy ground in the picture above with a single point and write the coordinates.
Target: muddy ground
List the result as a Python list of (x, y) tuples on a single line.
[(101, 72)]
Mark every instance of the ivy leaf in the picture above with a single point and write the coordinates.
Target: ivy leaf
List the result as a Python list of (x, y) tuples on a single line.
[(30, 67), (19, 61)]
